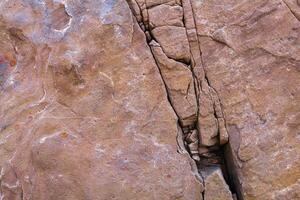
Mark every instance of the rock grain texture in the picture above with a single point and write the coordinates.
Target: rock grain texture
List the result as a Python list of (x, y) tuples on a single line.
[(251, 55), (149, 99), (84, 112), (215, 186)]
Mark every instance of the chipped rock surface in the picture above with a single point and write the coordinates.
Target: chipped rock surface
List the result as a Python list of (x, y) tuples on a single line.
[(173, 41), (179, 82), (215, 185), (149, 99)]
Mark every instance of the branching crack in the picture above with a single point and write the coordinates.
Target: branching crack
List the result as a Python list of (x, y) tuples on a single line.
[(218, 41), (187, 138), (186, 130), (166, 88)]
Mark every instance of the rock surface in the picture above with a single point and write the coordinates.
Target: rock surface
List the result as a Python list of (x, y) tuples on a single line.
[(251, 54), (165, 15), (180, 85), (215, 185), (84, 113), (173, 41), (150, 99)]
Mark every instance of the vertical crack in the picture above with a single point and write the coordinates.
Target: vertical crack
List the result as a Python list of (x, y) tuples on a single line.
[(217, 105), (144, 25), (188, 134), (182, 130), (291, 10), (233, 187)]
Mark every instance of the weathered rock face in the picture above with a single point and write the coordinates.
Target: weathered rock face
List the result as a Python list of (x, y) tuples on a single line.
[(215, 185), (251, 55), (150, 99), (84, 113)]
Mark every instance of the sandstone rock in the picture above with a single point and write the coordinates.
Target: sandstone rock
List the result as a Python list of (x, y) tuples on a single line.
[(223, 134), (215, 186), (193, 144), (293, 6), (290, 192), (136, 10), (173, 41), (189, 21), (207, 123), (208, 127), (255, 71), (84, 113), (164, 15), (153, 3), (179, 82), (89, 110)]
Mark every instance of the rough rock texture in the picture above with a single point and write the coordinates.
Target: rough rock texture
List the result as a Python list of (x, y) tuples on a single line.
[(173, 41), (149, 99), (251, 55), (215, 185), (180, 85), (165, 15), (84, 113)]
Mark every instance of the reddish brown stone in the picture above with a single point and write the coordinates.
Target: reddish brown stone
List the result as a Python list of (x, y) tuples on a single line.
[(84, 112)]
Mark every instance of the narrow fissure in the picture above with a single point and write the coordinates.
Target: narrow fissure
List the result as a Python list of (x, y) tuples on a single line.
[(215, 156), (188, 131), (164, 82), (292, 12), (230, 177)]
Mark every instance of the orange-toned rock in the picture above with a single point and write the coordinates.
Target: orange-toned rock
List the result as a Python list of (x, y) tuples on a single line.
[(251, 55), (173, 41), (165, 15), (84, 112), (153, 3), (98, 96), (215, 186), (179, 82)]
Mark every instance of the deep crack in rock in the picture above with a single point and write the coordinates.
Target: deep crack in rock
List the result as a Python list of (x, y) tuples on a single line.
[(191, 131)]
